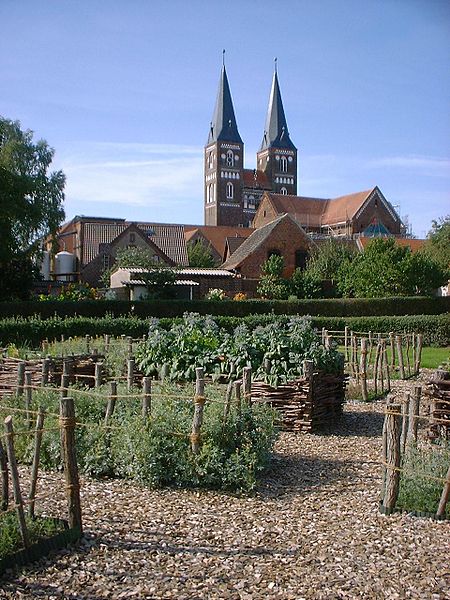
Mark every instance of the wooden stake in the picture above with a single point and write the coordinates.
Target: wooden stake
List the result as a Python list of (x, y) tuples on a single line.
[(346, 343), (45, 371), (5, 480), (111, 402), (370, 347), (107, 342), (35, 464), (130, 373), (147, 399), (363, 369), (381, 366), (418, 353), (129, 346), (408, 362), (392, 444), (199, 401), (247, 384), (15, 480), (65, 378), (392, 344), (401, 365), (67, 422), (405, 413), (88, 344), (375, 370), (237, 392), (413, 424), (444, 496), (386, 366), (20, 377), (28, 396), (228, 397), (98, 374)]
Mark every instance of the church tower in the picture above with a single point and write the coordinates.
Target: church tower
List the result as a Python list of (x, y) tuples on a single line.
[(224, 162), (277, 156)]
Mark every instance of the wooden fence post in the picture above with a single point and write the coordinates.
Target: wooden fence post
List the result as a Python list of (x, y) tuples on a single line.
[(65, 378), (392, 463), (35, 464), (199, 400), (408, 362), (28, 396), (45, 371), (418, 353), (226, 408), (88, 343), (346, 343), (386, 366), (247, 384), (147, 399), (352, 355), (5, 480), (405, 422), (15, 480), (129, 346), (130, 373), (237, 392), (413, 424), (164, 372), (67, 423), (98, 374), (392, 345), (110, 406), (107, 342), (308, 367), (375, 370), (20, 378), (401, 364), (370, 347), (363, 369), (444, 496)]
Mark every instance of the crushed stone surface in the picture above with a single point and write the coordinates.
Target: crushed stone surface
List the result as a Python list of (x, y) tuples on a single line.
[(312, 530)]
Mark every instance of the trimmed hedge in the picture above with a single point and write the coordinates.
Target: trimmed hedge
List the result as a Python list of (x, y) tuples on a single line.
[(336, 307), (435, 328)]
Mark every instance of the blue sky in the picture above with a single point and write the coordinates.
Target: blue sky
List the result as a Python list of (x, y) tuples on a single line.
[(124, 90)]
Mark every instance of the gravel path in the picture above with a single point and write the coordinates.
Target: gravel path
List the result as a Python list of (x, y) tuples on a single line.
[(312, 531)]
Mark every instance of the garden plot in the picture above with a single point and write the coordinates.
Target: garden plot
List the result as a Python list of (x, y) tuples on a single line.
[(312, 530)]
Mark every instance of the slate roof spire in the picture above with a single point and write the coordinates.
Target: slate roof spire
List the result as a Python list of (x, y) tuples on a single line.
[(223, 125), (276, 133)]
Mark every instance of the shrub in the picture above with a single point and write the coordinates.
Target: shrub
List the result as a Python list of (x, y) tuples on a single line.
[(156, 451)]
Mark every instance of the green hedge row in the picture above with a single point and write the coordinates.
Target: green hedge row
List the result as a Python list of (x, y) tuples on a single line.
[(435, 328), (336, 307)]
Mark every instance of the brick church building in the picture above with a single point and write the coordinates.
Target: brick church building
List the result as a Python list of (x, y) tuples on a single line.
[(239, 197), (232, 193)]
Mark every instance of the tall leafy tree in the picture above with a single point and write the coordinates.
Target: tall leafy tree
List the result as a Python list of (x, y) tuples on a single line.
[(437, 245), (31, 205), (272, 285)]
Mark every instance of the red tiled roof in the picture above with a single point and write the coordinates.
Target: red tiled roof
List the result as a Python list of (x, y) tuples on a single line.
[(344, 208), (260, 181), (217, 235)]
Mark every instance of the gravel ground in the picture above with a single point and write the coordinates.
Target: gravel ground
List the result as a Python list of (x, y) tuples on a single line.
[(313, 530)]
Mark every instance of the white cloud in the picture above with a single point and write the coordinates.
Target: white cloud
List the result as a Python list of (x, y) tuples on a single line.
[(428, 165)]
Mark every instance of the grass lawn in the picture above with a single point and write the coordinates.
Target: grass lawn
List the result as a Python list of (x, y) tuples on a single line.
[(432, 357)]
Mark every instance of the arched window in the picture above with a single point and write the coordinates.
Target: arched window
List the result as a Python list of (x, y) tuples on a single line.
[(230, 158), (283, 191), (283, 164), (210, 160), (230, 191), (273, 252)]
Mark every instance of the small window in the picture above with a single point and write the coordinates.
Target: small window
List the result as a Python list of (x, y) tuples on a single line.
[(283, 164), (230, 191), (230, 158), (210, 160), (106, 262), (283, 191), (273, 252)]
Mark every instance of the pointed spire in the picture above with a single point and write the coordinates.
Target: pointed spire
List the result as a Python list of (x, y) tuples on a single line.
[(223, 125), (276, 133)]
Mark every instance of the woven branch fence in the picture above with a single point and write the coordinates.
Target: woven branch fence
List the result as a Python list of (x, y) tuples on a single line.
[(373, 359), (401, 428)]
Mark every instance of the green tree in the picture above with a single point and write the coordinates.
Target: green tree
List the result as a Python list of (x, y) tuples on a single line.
[(31, 205), (159, 278), (271, 284), (200, 255), (305, 284), (437, 245), (386, 269)]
